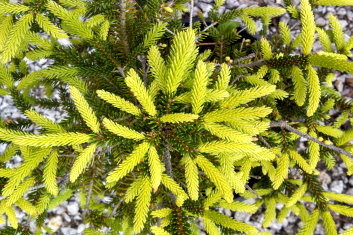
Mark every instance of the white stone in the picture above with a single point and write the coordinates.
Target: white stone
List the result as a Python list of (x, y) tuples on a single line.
[(344, 23), (320, 21), (227, 212), (350, 181), (232, 4), (205, 7), (73, 208), (207, 1), (55, 223), (276, 226), (350, 14), (67, 218), (324, 178), (342, 11), (80, 228), (337, 186)]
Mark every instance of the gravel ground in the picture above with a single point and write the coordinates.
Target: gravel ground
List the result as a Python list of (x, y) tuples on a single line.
[(334, 180), (66, 218)]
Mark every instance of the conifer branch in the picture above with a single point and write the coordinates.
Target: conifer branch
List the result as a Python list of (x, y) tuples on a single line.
[(264, 141), (210, 26), (88, 199), (169, 31), (116, 207), (253, 64), (123, 26), (284, 125), (114, 61), (191, 11), (250, 56), (167, 158)]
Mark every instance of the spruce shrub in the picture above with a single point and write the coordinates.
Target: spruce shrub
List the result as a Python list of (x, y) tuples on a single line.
[(168, 130)]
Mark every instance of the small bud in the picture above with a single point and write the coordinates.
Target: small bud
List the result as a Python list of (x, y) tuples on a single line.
[(321, 139), (227, 58), (168, 9), (231, 61), (163, 45), (327, 142)]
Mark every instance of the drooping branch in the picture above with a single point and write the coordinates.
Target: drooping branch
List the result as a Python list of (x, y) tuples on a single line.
[(284, 125)]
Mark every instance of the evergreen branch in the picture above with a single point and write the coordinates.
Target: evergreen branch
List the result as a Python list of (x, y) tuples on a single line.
[(167, 158), (284, 125), (122, 20), (250, 56), (116, 207), (88, 199), (106, 53), (253, 64), (209, 26), (135, 84), (191, 11)]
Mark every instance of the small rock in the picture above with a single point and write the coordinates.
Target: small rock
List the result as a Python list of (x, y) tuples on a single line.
[(337, 186), (205, 8), (73, 208), (350, 181), (55, 223), (349, 191), (207, 1), (344, 23), (242, 216), (67, 218), (324, 178), (342, 12), (321, 21), (68, 231), (276, 226), (350, 14), (80, 228), (227, 212), (232, 4)]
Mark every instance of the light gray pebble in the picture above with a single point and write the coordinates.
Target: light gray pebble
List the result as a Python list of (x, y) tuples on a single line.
[(207, 1), (227, 212), (350, 14), (337, 186), (242, 216), (81, 228), (342, 11), (320, 229), (350, 181), (69, 231), (66, 217), (324, 178), (205, 8), (320, 21), (343, 23), (349, 191), (231, 4), (276, 226), (73, 208)]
